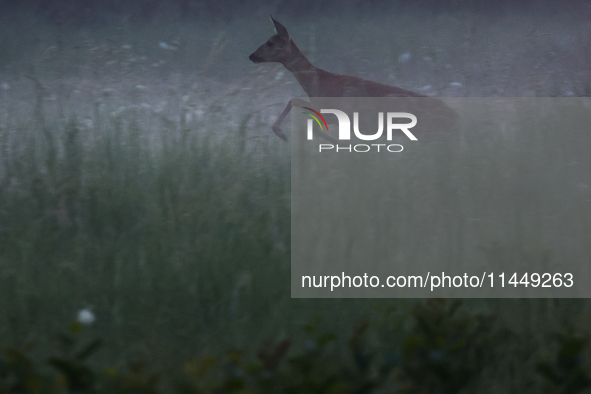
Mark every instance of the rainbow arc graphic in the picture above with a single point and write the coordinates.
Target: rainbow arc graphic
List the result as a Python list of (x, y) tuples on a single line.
[(315, 115)]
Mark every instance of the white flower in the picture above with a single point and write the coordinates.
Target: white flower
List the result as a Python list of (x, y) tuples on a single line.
[(86, 317)]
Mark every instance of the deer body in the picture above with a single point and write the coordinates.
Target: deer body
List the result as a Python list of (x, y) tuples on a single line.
[(315, 81)]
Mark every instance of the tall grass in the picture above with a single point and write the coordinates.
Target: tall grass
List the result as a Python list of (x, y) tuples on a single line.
[(178, 232)]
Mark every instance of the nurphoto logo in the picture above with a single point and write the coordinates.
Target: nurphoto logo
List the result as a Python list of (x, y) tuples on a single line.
[(344, 130)]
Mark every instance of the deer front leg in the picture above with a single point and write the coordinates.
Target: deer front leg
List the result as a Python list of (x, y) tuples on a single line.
[(280, 120)]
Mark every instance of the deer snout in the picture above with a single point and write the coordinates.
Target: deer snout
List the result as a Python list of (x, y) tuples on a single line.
[(255, 58)]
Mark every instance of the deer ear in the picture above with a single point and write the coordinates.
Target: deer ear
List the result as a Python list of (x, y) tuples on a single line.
[(280, 29)]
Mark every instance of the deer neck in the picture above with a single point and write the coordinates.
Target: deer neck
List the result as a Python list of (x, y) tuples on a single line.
[(304, 71)]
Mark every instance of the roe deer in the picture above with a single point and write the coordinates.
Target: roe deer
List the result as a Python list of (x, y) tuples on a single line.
[(317, 82)]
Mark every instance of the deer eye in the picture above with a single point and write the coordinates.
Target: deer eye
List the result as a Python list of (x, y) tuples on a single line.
[(269, 44)]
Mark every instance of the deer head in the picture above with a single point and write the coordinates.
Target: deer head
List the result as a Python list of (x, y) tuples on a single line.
[(278, 48)]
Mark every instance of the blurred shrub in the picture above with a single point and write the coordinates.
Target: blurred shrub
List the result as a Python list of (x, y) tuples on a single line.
[(444, 351)]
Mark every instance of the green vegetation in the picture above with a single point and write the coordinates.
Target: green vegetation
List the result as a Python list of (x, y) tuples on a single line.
[(179, 242), (179, 228), (443, 351)]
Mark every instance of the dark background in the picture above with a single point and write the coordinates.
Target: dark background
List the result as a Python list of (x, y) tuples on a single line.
[(94, 11)]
